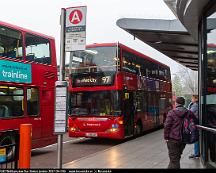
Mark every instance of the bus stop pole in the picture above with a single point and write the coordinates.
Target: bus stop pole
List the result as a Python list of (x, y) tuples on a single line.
[(60, 150), (61, 78)]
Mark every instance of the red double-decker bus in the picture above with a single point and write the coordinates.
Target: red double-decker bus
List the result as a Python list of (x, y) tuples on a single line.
[(28, 72), (116, 92)]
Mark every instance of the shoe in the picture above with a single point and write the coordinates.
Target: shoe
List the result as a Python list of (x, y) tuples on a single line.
[(197, 156), (192, 156)]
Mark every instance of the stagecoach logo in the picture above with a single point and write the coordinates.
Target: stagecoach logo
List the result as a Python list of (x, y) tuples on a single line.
[(92, 124), (92, 119), (15, 72)]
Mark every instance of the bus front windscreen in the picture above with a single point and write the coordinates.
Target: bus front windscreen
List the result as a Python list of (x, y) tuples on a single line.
[(95, 59), (96, 103)]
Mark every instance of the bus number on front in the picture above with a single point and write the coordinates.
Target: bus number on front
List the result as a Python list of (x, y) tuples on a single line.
[(106, 79)]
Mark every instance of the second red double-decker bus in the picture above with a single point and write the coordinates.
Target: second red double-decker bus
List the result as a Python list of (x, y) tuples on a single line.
[(116, 92), (28, 72)]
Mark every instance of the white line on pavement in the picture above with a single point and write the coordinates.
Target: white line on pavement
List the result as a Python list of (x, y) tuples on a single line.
[(72, 140)]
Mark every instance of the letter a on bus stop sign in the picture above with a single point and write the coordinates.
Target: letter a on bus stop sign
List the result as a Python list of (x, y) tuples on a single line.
[(75, 36)]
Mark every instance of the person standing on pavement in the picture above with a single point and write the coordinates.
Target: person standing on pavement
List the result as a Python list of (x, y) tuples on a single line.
[(172, 133), (193, 106)]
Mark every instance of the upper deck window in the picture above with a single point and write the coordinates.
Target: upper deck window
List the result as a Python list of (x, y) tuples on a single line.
[(10, 43), (95, 59), (37, 49), (130, 63)]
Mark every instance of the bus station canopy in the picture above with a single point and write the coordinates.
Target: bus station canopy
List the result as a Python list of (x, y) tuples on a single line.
[(167, 36)]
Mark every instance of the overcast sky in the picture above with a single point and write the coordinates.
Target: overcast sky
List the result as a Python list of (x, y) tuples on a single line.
[(43, 16)]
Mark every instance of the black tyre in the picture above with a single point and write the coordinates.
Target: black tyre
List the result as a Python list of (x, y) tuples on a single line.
[(5, 140)]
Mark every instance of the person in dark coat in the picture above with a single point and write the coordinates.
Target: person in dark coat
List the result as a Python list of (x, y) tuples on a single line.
[(172, 133)]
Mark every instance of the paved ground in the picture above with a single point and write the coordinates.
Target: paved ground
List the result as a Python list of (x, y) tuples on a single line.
[(148, 151), (73, 149)]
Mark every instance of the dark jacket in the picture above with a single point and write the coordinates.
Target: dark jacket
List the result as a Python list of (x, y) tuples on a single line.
[(173, 123)]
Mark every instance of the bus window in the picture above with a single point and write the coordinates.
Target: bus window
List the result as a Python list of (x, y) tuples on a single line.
[(130, 63), (11, 99), (162, 73), (154, 71), (143, 102), (97, 103), (18, 97), (148, 68), (37, 49), (11, 43), (32, 101), (95, 59)]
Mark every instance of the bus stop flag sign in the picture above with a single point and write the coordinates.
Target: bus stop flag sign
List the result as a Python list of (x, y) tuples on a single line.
[(75, 28)]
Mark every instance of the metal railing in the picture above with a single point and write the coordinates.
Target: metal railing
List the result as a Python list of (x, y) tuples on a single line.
[(9, 150), (206, 128)]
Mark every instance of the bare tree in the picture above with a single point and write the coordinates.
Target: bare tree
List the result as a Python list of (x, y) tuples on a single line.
[(177, 87), (189, 80)]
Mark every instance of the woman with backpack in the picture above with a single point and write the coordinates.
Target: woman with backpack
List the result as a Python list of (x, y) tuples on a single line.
[(172, 133)]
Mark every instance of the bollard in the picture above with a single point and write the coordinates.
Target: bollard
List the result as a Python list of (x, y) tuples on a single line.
[(25, 146)]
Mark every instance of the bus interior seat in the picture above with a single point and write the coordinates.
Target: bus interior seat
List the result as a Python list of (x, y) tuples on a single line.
[(4, 111), (32, 107), (10, 54), (17, 108), (30, 57), (44, 60)]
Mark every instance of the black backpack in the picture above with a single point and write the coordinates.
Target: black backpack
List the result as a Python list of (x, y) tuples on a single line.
[(190, 132)]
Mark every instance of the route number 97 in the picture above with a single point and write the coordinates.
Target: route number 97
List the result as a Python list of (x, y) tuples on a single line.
[(106, 79)]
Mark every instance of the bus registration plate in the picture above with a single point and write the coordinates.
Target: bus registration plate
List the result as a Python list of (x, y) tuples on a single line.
[(91, 134)]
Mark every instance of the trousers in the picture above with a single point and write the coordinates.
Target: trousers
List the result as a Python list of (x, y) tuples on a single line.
[(175, 150), (196, 148)]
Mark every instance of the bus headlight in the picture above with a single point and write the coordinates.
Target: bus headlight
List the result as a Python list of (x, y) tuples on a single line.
[(113, 130), (73, 129)]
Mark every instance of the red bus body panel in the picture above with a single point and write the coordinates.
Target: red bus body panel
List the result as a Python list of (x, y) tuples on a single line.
[(95, 127), (43, 77)]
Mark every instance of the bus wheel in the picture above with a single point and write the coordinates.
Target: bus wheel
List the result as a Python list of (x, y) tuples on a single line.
[(8, 139), (138, 129)]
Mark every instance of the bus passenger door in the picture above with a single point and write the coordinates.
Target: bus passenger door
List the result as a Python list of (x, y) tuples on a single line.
[(128, 109), (34, 111)]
